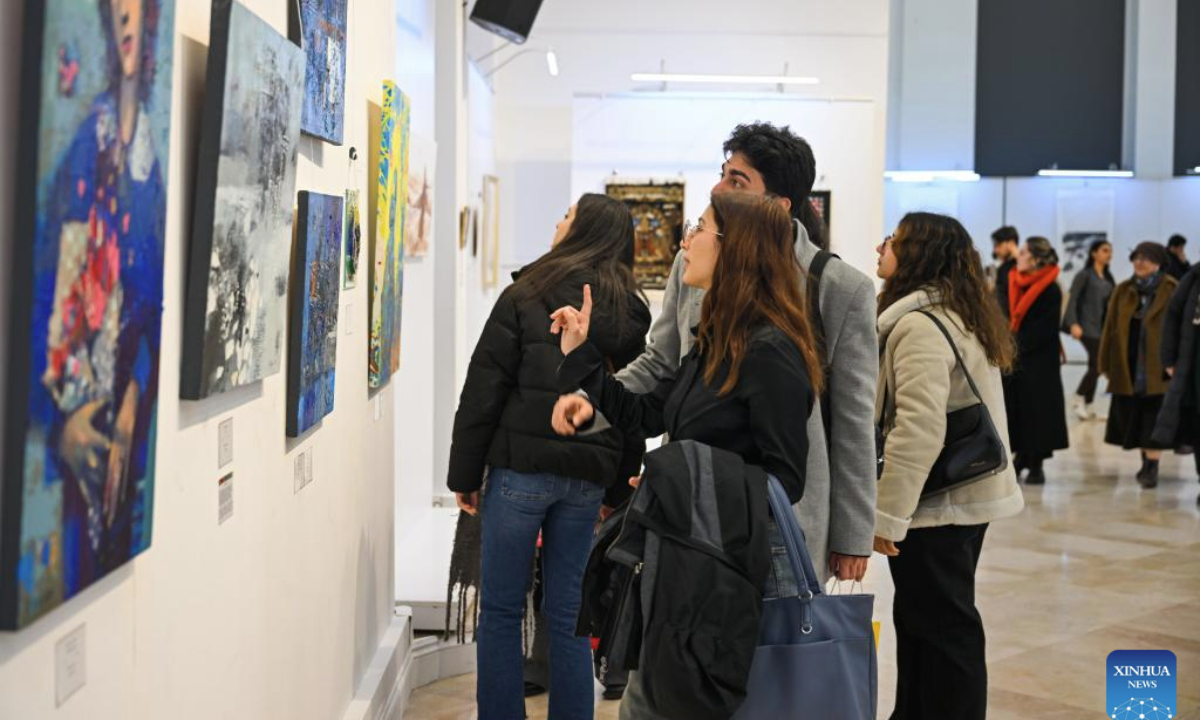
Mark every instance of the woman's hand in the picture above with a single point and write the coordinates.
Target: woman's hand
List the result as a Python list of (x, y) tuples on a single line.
[(573, 324), (1077, 331), (883, 546), (570, 412), (848, 567), (1170, 371), (468, 502)]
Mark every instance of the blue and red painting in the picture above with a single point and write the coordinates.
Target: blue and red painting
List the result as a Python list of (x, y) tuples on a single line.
[(87, 297), (322, 34), (312, 334)]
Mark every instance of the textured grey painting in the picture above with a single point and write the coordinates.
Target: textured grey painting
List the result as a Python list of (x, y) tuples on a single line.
[(241, 239)]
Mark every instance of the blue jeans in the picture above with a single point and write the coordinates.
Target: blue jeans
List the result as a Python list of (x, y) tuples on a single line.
[(515, 507)]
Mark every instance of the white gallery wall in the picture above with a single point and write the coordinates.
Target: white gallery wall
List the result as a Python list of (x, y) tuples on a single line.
[(277, 612)]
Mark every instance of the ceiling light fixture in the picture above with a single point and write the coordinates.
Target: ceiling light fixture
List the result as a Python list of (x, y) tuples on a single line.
[(727, 79), (1085, 173), (914, 176), (552, 63)]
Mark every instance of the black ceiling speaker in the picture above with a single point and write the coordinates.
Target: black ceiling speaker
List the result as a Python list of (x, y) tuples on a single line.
[(510, 19)]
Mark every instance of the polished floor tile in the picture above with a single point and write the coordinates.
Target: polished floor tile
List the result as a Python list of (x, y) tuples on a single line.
[(1093, 564)]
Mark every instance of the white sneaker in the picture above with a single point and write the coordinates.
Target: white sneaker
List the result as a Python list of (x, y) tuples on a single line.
[(1081, 410)]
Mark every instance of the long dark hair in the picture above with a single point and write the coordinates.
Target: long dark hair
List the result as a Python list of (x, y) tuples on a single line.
[(600, 242), (1095, 247), (151, 12), (786, 162), (935, 253), (756, 281)]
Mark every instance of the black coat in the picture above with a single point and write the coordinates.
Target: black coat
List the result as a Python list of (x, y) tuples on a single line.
[(503, 417), (1033, 393), (1002, 272), (1178, 350)]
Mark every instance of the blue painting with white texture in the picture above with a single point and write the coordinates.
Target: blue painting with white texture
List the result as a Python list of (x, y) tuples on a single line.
[(323, 24)]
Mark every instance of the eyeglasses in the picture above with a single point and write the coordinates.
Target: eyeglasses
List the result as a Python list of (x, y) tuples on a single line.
[(691, 228)]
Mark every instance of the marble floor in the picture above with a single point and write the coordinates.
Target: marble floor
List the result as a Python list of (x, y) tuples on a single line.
[(1092, 565)]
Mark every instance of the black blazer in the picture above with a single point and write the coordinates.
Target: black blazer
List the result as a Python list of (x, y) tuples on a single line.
[(503, 417)]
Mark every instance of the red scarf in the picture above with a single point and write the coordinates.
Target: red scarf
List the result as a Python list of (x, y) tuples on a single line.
[(1024, 289)]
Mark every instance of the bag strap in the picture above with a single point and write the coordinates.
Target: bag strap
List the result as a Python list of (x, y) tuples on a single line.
[(957, 358), (815, 270), (793, 537)]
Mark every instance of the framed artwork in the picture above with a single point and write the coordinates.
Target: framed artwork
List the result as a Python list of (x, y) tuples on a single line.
[(418, 219), (241, 236), (320, 27), (312, 333), (387, 253), (353, 229), (474, 232), (464, 226), (821, 202), (657, 209), (491, 231), (86, 296)]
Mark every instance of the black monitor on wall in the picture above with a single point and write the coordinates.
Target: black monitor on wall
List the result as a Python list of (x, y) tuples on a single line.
[(1187, 89), (1050, 85), (510, 19)]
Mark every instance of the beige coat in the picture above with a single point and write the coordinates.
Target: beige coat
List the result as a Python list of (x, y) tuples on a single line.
[(923, 384)]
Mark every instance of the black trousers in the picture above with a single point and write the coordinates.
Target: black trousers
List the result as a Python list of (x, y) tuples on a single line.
[(1087, 386), (942, 669)]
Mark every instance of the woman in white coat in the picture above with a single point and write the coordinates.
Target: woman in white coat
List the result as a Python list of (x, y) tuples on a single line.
[(933, 543)]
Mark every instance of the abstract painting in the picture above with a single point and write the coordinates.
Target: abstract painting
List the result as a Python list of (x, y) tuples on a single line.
[(241, 235), (387, 253), (312, 332), (822, 202), (657, 209), (353, 240), (418, 229), (86, 297), (321, 28), (491, 232)]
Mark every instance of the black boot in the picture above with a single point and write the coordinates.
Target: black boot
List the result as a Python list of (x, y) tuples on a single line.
[(1149, 478), (1141, 474), (1035, 476)]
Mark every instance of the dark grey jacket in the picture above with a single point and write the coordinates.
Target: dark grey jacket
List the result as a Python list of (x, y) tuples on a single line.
[(1179, 351), (1087, 303)]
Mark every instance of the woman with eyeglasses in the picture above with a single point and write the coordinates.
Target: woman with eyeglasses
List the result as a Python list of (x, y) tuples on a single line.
[(749, 382), (537, 480)]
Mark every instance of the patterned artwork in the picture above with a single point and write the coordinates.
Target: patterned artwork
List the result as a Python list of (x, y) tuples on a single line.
[(657, 209), (312, 334), (821, 201), (353, 228), (241, 237), (86, 299), (322, 30), (418, 228), (387, 253)]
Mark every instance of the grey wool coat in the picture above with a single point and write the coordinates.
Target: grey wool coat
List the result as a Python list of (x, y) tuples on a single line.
[(837, 511)]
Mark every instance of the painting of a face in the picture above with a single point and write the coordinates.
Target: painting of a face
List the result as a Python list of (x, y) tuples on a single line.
[(87, 277), (127, 18)]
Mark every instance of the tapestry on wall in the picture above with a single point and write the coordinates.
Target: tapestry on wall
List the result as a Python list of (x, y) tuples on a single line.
[(418, 229), (353, 230), (387, 252), (241, 235), (321, 27), (312, 332), (86, 299), (821, 201), (657, 209)]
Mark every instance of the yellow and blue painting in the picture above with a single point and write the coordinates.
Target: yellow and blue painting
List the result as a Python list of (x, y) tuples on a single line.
[(322, 33), (87, 295), (387, 255), (312, 335)]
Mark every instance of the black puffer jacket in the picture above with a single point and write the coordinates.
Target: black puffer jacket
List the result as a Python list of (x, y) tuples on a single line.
[(503, 417)]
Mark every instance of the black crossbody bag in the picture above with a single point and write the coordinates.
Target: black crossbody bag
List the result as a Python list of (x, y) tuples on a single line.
[(972, 450)]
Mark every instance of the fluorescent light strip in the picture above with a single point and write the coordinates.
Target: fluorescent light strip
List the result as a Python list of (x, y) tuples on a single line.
[(1086, 173), (736, 79), (931, 175), (552, 63)]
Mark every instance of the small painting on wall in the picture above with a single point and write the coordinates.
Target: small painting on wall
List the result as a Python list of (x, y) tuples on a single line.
[(657, 208), (418, 229), (321, 28), (387, 252), (821, 201), (353, 230), (312, 331)]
